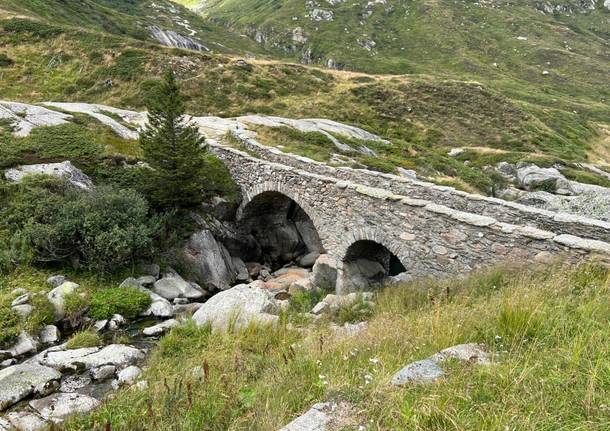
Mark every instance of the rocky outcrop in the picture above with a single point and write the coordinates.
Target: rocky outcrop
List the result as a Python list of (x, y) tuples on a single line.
[(209, 261), (327, 416), (118, 355), (20, 381), (105, 114), (237, 307), (175, 40), (60, 406), (23, 118), (64, 170)]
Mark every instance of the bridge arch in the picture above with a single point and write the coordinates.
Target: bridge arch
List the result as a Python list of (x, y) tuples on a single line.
[(282, 223), (368, 258)]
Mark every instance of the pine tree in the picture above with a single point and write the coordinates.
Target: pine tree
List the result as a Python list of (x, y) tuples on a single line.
[(173, 150)]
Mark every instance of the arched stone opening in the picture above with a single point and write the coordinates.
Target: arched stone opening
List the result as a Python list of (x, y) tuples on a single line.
[(368, 264), (282, 230)]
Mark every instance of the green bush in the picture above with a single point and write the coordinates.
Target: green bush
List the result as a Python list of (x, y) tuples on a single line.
[(101, 230), (127, 302), (84, 339)]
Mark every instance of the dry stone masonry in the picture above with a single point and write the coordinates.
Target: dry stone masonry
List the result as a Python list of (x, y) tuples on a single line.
[(428, 237)]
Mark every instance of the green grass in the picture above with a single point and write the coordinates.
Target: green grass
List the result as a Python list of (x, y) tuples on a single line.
[(548, 329), (84, 339), (34, 281), (127, 302)]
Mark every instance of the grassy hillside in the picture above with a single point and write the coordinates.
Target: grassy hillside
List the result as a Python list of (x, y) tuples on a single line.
[(55, 51), (130, 18), (547, 328), (553, 63)]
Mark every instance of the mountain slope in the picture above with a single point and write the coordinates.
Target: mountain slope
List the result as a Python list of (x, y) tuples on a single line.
[(557, 55), (130, 18), (55, 51)]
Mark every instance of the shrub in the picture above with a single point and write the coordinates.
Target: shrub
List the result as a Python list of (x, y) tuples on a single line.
[(84, 339), (127, 302), (102, 230)]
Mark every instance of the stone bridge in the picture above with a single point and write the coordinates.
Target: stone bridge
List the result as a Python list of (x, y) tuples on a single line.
[(430, 230)]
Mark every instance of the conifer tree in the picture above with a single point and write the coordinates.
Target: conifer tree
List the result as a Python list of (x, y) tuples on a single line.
[(173, 149)]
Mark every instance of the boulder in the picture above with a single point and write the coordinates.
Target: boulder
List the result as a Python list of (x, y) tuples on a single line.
[(308, 260), (118, 355), (116, 321), (64, 170), (60, 406), (25, 344), (471, 352), (362, 274), (209, 261), (186, 309), (241, 271), (21, 299), (254, 269), (129, 375), (23, 310), (327, 416), (49, 334), (325, 272), (237, 307), (27, 421), (419, 372), (57, 295), (160, 328), (333, 303), (74, 382), (160, 307), (531, 177), (56, 280), (285, 277), (315, 419), (146, 281), (102, 373), (131, 282), (20, 381), (173, 286)]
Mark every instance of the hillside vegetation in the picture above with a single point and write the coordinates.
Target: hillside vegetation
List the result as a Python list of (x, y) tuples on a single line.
[(547, 329), (424, 115)]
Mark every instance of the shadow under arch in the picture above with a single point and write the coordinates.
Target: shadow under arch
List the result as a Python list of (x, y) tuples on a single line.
[(367, 264), (282, 230)]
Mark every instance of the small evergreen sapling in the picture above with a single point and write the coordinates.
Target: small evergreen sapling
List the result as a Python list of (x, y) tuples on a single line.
[(173, 149)]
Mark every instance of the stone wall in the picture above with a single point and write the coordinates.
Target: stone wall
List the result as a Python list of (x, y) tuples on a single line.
[(499, 209), (429, 239)]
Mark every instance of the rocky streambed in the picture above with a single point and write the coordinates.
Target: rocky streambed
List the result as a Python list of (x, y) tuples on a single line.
[(43, 381)]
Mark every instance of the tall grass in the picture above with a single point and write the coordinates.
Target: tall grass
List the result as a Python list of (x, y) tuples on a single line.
[(548, 328)]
